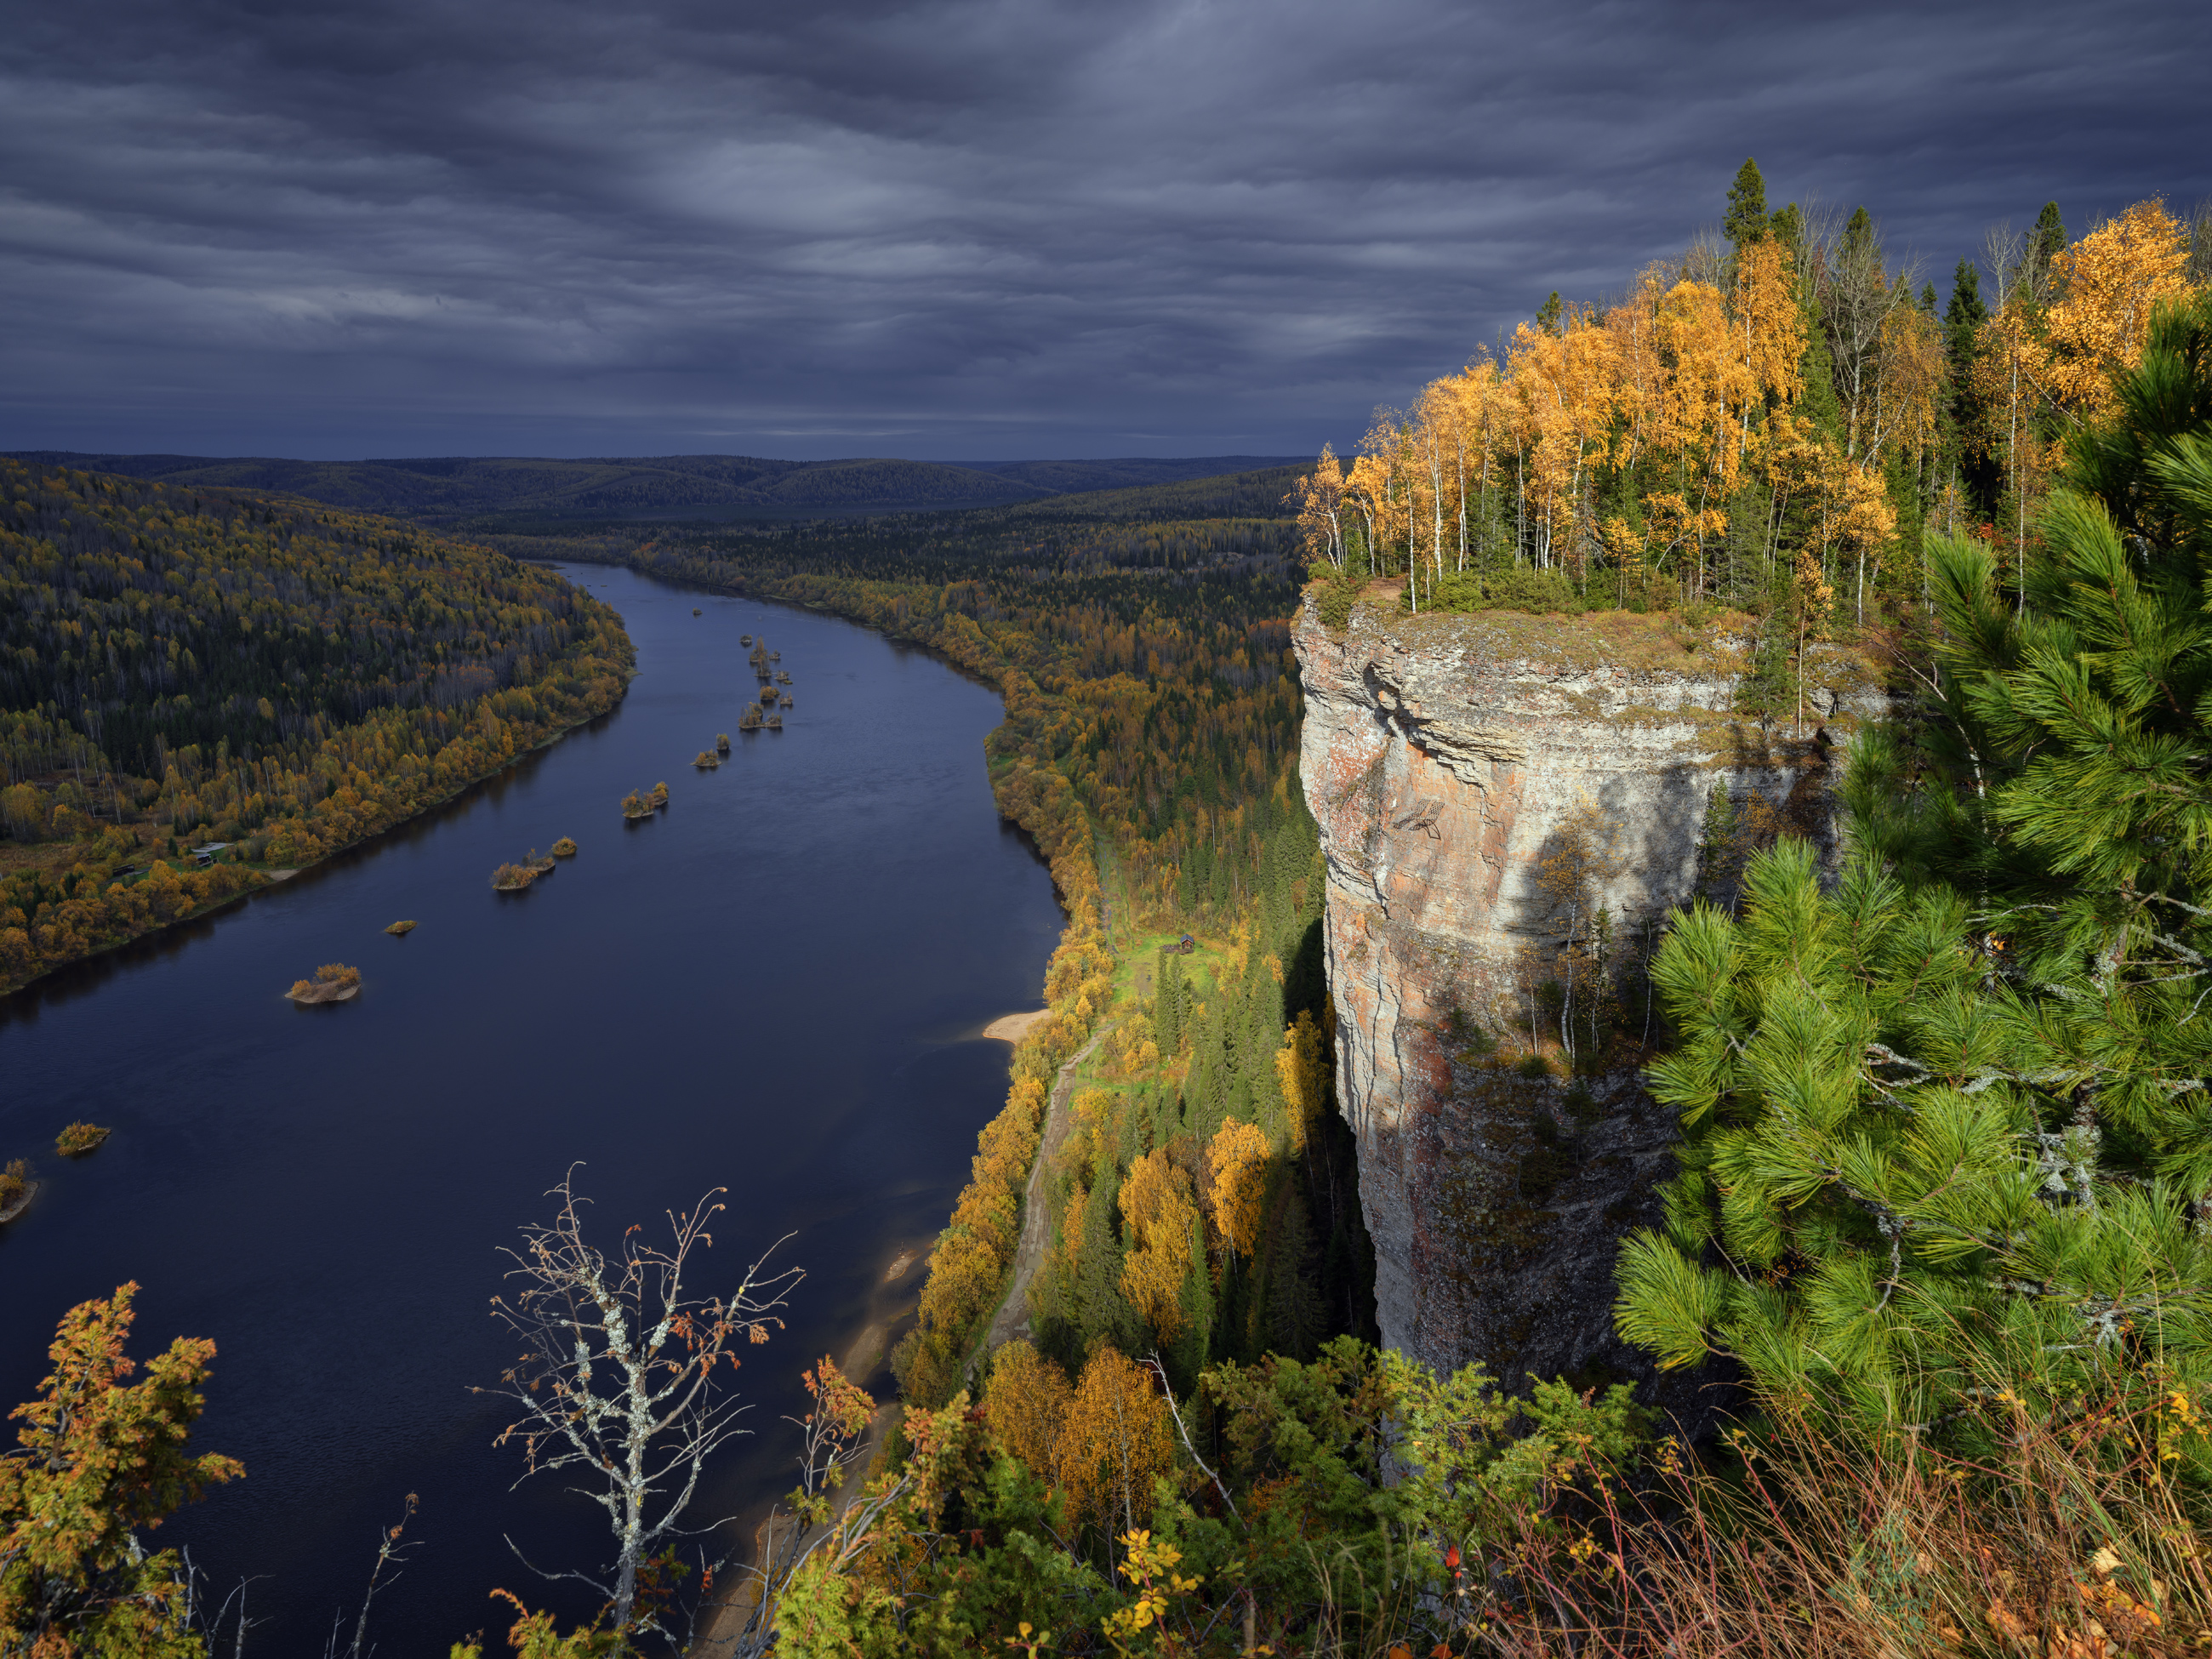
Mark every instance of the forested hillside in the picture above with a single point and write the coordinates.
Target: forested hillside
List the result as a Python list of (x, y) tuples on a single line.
[(487, 492), (180, 666)]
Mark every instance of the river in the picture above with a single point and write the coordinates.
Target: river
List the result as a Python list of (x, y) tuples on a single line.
[(776, 986)]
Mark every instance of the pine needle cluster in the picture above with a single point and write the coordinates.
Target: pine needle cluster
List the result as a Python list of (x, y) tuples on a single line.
[(1949, 1123)]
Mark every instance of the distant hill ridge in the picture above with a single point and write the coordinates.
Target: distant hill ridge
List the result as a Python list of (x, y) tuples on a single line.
[(451, 490)]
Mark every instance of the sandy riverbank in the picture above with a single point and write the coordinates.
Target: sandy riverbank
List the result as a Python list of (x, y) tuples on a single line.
[(1012, 1028), (722, 1627)]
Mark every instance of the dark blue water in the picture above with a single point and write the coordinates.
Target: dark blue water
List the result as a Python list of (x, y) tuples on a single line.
[(775, 987)]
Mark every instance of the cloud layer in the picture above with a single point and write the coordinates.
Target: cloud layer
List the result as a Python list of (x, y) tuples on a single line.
[(972, 229)]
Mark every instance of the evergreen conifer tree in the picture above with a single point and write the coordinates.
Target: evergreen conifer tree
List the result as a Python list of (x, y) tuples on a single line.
[(1747, 220), (1949, 1127), (1102, 1311), (1966, 315), (1787, 226), (1964, 415), (1296, 1317), (2045, 242), (1167, 1006)]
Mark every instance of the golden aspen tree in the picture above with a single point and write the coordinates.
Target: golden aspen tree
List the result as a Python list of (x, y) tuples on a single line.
[(1908, 379), (2007, 349), (1702, 381), (1054, 1289), (1239, 1159), (2061, 331), (2107, 285), (1026, 1404), (1303, 1075), (1320, 497), (1438, 446), (1158, 1211), (1768, 329), (1117, 1441), (1376, 490), (1866, 523), (1566, 382), (1481, 396), (1639, 374)]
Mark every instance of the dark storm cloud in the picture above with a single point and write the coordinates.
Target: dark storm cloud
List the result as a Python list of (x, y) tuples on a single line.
[(960, 229)]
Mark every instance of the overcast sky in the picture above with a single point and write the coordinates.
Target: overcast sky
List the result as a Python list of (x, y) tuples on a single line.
[(984, 229)]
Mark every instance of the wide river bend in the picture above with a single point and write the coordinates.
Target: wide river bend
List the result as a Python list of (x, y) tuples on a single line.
[(776, 986)]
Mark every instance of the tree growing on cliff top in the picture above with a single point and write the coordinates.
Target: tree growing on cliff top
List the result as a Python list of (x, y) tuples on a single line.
[(619, 1378), (1747, 221)]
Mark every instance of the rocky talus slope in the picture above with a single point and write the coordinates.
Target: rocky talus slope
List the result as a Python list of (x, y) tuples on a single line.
[(1445, 759)]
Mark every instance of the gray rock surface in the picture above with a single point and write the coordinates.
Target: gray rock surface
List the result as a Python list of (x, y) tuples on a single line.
[(1442, 757)]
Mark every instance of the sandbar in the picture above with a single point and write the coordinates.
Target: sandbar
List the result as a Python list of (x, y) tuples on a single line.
[(1012, 1028)]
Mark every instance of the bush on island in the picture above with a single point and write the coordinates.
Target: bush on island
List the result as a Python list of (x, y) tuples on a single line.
[(79, 1139)]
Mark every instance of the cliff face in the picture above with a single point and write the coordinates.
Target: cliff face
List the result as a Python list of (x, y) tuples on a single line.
[(1448, 760)]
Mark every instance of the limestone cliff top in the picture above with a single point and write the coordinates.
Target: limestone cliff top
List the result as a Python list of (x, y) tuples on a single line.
[(1606, 665)]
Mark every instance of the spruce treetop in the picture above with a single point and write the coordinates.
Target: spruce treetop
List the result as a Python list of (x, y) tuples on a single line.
[(1746, 207)]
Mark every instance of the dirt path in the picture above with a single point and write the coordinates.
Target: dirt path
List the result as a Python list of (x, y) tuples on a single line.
[(1013, 1315)]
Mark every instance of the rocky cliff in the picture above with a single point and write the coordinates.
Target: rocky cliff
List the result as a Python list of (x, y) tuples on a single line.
[(1457, 765)]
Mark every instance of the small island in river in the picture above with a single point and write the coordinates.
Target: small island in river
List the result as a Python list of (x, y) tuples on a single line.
[(333, 982), (17, 1189), (514, 878), (79, 1139)]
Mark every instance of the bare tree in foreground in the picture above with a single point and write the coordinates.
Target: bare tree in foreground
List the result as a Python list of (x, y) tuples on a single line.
[(618, 1378)]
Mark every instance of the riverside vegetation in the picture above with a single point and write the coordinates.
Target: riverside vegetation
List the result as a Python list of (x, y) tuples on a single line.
[(1940, 1211), (195, 664)]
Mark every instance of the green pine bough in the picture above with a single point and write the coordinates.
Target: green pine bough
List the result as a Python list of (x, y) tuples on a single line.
[(1949, 1125)]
